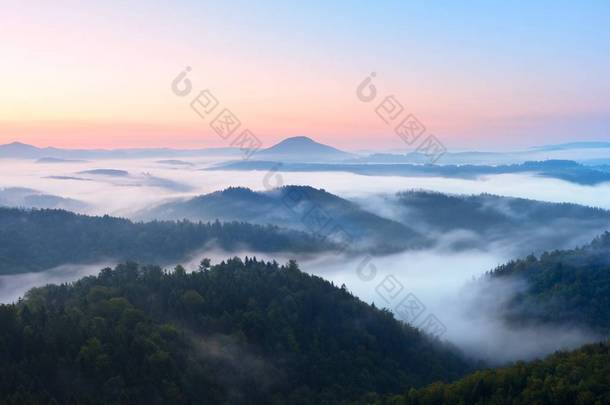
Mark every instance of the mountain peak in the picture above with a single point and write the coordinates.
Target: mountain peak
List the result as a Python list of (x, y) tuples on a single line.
[(305, 148), (18, 144), (298, 139), (19, 150)]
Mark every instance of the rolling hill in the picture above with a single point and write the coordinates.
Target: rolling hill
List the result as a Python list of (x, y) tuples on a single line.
[(28, 198), (522, 225), (412, 219), (236, 332), (36, 240), (298, 207)]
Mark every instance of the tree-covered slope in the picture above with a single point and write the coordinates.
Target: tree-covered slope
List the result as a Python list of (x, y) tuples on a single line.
[(34, 240), (299, 207), (521, 225), (487, 212), (580, 377), (237, 332), (563, 287)]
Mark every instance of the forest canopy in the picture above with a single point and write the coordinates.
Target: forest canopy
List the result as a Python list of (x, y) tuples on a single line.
[(36, 240), (226, 333)]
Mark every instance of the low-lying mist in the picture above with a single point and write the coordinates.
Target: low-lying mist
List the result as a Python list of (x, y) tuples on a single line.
[(150, 183), (13, 287), (445, 282), (439, 278), (448, 286)]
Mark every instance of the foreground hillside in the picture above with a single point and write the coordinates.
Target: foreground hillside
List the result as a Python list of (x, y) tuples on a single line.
[(238, 332), (567, 378), (35, 240)]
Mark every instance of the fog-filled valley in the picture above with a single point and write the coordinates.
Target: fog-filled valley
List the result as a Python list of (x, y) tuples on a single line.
[(419, 246), (305, 203)]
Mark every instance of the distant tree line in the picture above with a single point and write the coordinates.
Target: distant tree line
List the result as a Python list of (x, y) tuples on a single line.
[(35, 240)]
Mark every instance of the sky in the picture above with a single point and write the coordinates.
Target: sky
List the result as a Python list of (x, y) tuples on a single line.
[(484, 75)]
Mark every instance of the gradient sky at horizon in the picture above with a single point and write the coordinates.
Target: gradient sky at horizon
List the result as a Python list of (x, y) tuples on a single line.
[(480, 75)]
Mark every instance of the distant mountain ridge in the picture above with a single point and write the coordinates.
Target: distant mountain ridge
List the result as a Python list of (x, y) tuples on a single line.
[(305, 149), (523, 225), (18, 150), (298, 147), (575, 145), (29, 198), (417, 219), (566, 170)]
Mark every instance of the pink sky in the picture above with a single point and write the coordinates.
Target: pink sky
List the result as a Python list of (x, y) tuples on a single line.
[(75, 75)]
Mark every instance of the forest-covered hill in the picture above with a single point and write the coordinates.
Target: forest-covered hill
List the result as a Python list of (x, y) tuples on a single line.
[(299, 207), (35, 240), (569, 287), (413, 219), (580, 377), (238, 332)]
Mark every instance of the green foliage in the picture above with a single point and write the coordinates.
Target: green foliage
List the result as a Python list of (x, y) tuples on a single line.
[(301, 208), (35, 240), (580, 377), (237, 332), (567, 287)]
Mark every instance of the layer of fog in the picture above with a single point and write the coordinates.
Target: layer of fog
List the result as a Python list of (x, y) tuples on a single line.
[(590, 155), (442, 279), (525, 235), (449, 284), (438, 278), (13, 287), (150, 183)]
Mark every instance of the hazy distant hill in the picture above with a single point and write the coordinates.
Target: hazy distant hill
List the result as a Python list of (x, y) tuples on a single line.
[(302, 149), (58, 160), (18, 150), (523, 225), (560, 169), (174, 162), (582, 152), (408, 219), (299, 148), (124, 178), (28, 198), (106, 172), (299, 207), (575, 145)]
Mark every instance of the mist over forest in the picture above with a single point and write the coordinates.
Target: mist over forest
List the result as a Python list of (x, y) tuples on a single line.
[(308, 203), (435, 236)]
